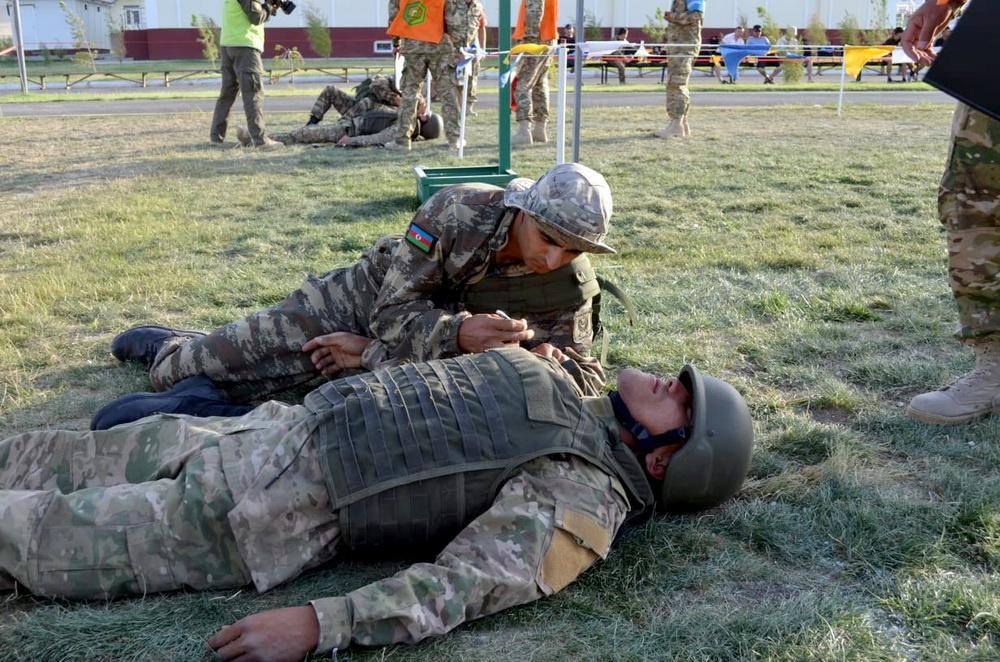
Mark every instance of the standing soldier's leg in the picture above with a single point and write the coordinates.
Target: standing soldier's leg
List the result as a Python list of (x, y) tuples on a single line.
[(447, 86), (540, 102), (969, 207), (527, 76), (250, 71), (414, 74), (227, 95), (474, 86), (331, 96), (262, 353), (678, 74)]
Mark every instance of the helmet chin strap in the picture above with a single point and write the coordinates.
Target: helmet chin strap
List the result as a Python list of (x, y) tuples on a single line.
[(645, 442)]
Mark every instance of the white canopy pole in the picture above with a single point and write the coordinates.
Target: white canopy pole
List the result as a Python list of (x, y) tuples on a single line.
[(561, 103), (22, 70)]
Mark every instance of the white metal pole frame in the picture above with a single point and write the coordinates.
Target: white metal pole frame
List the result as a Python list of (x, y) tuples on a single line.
[(22, 70), (561, 102), (466, 71), (578, 80), (843, 81)]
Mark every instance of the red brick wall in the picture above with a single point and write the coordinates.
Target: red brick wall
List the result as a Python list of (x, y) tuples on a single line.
[(182, 43)]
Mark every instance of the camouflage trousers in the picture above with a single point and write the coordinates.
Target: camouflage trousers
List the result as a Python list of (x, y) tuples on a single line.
[(679, 68), (164, 503), (242, 71), (532, 94), (441, 65), (332, 97), (328, 132), (262, 353), (969, 208)]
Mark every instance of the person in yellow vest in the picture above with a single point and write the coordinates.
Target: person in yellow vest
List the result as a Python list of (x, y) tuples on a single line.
[(536, 24), (429, 34), (242, 42)]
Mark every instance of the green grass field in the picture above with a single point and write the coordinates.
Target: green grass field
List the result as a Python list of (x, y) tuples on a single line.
[(795, 254)]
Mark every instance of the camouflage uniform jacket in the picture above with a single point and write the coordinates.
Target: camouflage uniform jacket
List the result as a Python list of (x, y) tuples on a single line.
[(461, 25), (549, 523), (469, 223), (680, 16), (534, 10)]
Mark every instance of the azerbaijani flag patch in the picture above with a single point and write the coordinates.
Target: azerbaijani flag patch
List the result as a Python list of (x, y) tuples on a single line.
[(421, 238)]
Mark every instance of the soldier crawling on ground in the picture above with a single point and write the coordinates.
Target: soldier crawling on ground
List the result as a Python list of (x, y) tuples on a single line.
[(372, 109), (493, 462)]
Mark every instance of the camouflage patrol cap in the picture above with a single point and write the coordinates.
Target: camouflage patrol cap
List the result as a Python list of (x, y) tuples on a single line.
[(571, 203)]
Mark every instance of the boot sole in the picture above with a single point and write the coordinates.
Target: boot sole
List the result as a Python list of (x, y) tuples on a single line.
[(937, 419)]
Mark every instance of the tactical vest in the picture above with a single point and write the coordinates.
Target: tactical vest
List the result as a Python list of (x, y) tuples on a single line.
[(413, 453), (567, 287), (374, 121), (237, 29)]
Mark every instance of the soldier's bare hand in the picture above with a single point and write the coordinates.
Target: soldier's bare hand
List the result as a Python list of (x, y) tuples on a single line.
[(334, 352), (274, 635), (550, 351), (924, 24), (481, 332)]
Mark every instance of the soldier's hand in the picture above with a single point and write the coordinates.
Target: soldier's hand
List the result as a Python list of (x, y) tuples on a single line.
[(274, 635), (550, 351), (926, 22), (334, 352), (481, 332)]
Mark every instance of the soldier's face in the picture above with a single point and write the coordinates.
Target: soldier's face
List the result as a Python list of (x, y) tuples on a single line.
[(539, 252), (660, 405)]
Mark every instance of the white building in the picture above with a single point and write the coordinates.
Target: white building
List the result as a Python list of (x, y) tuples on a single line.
[(44, 25)]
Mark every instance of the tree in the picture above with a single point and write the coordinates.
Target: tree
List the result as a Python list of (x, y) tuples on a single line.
[(850, 30), (816, 31), (319, 36), (591, 27), (769, 25), (655, 27), (85, 54), (116, 35), (880, 22), (208, 37)]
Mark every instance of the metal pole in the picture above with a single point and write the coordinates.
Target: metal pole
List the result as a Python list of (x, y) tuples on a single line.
[(578, 81), (561, 104), (22, 70), (503, 122)]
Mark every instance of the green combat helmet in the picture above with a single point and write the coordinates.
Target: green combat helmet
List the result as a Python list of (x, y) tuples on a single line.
[(571, 203), (432, 127), (711, 466)]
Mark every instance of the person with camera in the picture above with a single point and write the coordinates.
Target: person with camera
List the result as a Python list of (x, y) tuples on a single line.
[(242, 42)]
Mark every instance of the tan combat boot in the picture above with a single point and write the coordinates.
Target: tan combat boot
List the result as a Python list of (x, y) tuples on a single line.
[(523, 135), (685, 128), (243, 136), (673, 129), (269, 145), (538, 134), (969, 396)]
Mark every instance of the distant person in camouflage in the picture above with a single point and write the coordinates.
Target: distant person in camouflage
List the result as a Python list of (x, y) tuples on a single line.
[(685, 18), (417, 30), (472, 249), (242, 42), (536, 24), (969, 208), (491, 462)]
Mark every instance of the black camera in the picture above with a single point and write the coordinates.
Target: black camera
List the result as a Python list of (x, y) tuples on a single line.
[(286, 6)]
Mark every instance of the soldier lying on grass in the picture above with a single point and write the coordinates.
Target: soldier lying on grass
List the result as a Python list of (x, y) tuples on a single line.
[(471, 249), (493, 461)]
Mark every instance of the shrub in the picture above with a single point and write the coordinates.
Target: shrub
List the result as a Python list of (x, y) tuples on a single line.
[(319, 36)]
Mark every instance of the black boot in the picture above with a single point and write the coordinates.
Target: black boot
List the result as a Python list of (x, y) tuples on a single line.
[(312, 120), (141, 344), (194, 396)]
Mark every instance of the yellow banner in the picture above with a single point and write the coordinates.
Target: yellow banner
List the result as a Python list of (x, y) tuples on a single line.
[(856, 57), (531, 49)]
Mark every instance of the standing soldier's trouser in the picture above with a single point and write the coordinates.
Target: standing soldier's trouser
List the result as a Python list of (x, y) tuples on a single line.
[(328, 132), (969, 208), (474, 82), (241, 71), (533, 89), (441, 64), (679, 69), (262, 353), (331, 96), (136, 509)]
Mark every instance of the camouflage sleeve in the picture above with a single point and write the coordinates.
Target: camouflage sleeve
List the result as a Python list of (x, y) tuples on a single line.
[(534, 10), (549, 523), (393, 10), (256, 11), (406, 315), (386, 135)]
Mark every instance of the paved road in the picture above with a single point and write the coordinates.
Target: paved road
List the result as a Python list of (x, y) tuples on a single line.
[(301, 104)]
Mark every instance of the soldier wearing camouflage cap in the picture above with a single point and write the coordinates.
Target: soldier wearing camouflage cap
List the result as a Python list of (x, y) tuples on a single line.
[(492, 461), (472, 249)]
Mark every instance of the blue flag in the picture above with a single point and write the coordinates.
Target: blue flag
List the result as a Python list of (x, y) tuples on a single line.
[(732, 55)]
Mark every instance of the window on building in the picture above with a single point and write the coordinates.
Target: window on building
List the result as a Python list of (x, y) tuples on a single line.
[(133, 17), (383, 47)]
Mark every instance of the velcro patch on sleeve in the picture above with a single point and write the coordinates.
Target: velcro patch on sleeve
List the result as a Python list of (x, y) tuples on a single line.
[(578, 540), (421, 238)]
